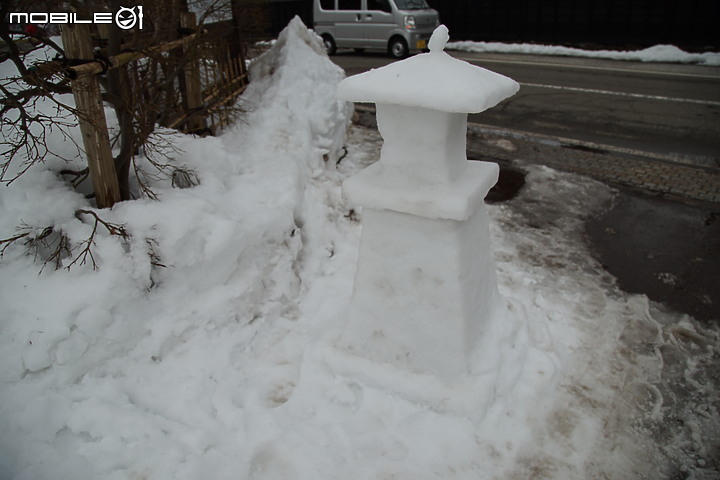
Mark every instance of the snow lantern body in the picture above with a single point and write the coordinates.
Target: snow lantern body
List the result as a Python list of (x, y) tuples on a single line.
[(425, 283)]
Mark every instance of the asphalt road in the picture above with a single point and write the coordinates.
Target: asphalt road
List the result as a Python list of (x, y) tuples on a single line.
[(670, 112)]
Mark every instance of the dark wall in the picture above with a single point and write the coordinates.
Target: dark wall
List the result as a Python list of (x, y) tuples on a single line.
[(282, 11), (690, 24), (610, 23)]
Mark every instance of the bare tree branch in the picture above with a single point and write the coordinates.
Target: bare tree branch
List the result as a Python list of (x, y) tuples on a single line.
[(86, 246)]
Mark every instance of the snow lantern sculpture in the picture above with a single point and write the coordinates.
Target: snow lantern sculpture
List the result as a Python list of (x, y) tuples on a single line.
[(425, 283)]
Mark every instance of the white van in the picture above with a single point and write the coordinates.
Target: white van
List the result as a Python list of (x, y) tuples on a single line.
[(398, 26)]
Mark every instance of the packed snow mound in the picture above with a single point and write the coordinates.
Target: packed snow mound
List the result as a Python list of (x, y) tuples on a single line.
[(111, 373), (295, 37), (289, 79), (657, 53), (295, 127)]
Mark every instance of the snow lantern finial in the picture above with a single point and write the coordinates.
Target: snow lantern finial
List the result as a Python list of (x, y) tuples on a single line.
[(439, 39)]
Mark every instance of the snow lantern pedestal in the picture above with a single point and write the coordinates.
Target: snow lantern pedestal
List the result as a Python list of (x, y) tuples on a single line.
[(425, 283)]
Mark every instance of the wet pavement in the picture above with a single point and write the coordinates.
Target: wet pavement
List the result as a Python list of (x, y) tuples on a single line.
[(661, 234), (667, 250), (670, 251), (681, 181)]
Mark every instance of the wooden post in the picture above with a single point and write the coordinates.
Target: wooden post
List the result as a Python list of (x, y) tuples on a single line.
[(235, 39), (193, 88), (91, 116)]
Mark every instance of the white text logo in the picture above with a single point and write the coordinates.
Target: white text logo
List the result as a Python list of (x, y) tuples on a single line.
[(125, 18)]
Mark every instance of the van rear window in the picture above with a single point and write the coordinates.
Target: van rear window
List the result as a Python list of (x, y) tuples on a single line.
[(327, 4), (349, 5), (411, 4), (381, 5)]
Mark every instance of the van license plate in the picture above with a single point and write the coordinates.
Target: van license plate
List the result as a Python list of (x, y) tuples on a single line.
[(421, 44)]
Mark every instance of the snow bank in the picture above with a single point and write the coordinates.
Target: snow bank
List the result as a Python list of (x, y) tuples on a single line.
[(657, 53), (131, 370), (295, 127), (290, 80)]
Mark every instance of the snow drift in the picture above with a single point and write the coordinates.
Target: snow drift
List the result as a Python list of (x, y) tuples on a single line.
[(656, 53)]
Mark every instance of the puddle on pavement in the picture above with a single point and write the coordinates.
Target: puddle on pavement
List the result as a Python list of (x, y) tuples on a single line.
[(665, 250), (509, 184)]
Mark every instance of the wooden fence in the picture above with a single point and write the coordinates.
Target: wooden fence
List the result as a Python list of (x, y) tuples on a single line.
[(201, 100)]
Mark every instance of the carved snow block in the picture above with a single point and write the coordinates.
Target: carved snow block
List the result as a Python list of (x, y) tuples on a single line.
[(420, 298), (425, 285)]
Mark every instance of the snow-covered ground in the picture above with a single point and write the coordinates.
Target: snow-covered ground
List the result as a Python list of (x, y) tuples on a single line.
[(222, 365), (657, 53)]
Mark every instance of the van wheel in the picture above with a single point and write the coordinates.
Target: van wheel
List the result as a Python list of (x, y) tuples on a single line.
[(398, 47), (329, 44)]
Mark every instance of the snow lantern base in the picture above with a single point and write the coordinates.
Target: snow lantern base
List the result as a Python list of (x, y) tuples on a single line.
[(426, 283)]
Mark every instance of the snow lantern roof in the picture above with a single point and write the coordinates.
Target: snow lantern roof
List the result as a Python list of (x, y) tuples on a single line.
[(433, 80)]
